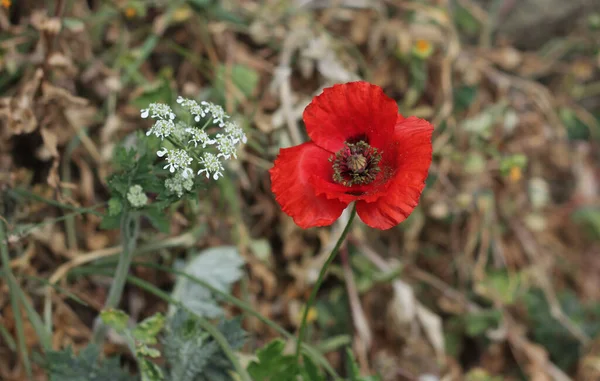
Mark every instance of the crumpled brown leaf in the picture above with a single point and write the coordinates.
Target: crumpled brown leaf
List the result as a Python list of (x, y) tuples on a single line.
[(17, 112)]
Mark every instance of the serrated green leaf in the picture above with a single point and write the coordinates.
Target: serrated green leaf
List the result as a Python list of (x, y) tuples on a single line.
[(193, 355), (273, 364), (150, 371), (110, 222), (124, 158), (115, 319), (147, 330), (65, 365), (143, 350), (158, 218), (219, 266)]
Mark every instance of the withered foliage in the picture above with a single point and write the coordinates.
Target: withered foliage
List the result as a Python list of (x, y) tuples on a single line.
[(498, 268)]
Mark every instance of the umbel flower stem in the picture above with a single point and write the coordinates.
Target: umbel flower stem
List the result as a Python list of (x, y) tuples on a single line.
[(313, 294), (130, 228)]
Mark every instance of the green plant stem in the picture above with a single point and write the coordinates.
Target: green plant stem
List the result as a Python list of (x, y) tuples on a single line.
[(310, 351), (205, 324), (14, 300), (313, 353), (313, 294), (130, 228)]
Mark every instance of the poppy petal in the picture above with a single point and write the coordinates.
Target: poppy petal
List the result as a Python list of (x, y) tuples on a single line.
[(290, 182), (349, 111), (413, 138)]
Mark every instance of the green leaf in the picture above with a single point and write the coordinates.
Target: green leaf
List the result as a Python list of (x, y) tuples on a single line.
[(110, 222), (354, 371), (199, 5), (158, 218), (466, 21), (501, 285), (147, 330), (115, 206), (116, 319), (124, 158), (158, 91), (507, 163), (576, 129), (478, 323), (193, 355), (142, 350), (73, 24), (242, 77), (272, 364), (219, 266), (419, 75), (464, 97), (150, 371), (589, 218), (65, 365), (311, 372), (563, 347)]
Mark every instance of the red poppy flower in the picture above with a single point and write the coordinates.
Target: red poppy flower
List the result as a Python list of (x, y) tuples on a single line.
[(362, 151)]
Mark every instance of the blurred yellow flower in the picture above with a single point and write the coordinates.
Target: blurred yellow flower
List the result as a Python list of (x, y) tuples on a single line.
[(130, 12), (311, 316), (515, 174), (6, 3), (422, 48), (181, 14)]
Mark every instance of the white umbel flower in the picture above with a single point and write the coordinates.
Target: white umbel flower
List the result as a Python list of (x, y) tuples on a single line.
[(198, 136), (217, 113), (235, 132), (211, 165), (179, 184), (177, 159), (162, 128), (158, 111), (226, 146)]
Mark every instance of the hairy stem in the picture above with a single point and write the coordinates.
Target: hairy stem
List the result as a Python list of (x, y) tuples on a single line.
[(130, 228), (313, 294)]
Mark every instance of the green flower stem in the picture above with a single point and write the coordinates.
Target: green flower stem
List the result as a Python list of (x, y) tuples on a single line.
[(130, 229), (313, 294), (182, 146)]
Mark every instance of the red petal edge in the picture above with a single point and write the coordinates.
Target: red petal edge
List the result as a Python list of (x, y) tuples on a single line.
[(290, 183), (349, 110), (413, 136)]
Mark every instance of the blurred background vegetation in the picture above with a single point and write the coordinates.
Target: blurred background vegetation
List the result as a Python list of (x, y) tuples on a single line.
[(496, 275)]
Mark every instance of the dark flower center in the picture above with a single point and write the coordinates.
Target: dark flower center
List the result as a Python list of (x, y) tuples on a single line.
[(355, 164)]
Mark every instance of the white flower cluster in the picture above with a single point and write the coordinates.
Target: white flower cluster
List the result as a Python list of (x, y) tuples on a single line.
[(179, 184), (203, 110), (136, 196), (193, 143), (164, 125)]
